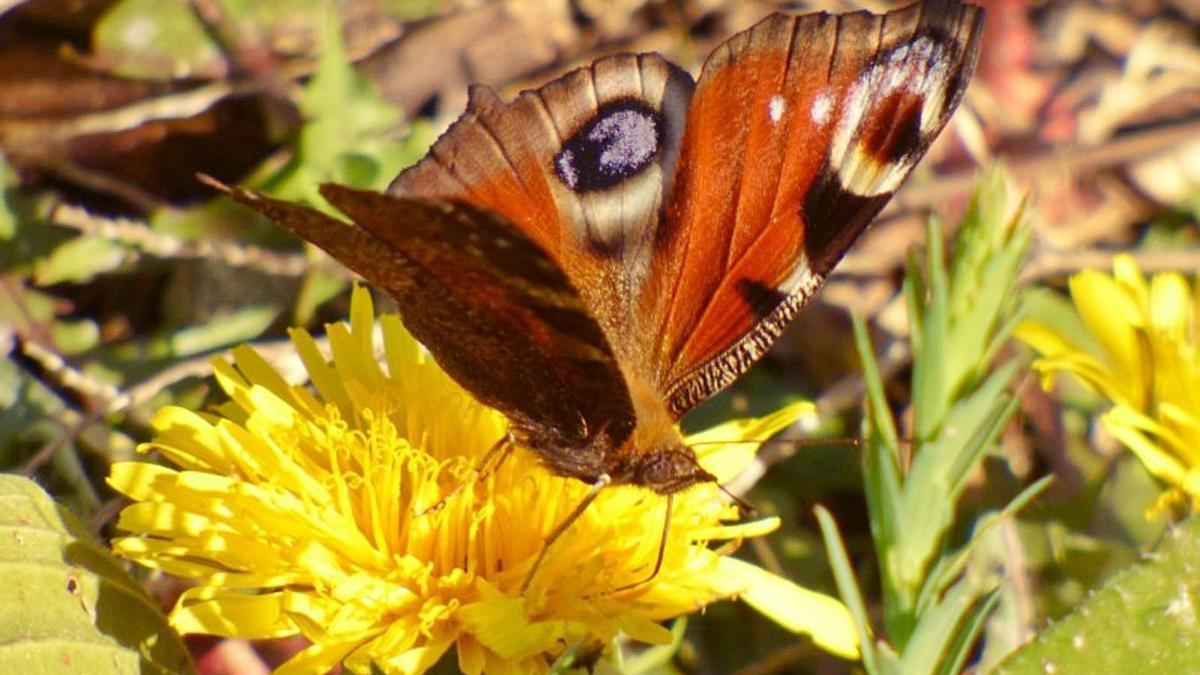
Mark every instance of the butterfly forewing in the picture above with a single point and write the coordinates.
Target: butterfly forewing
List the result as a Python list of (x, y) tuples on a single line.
[(835, 111)]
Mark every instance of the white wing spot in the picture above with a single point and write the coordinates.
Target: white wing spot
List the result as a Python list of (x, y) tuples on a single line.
[(775, 108), (917, 68), (801, 280), (566, 168), (628, 138), (822, 107)]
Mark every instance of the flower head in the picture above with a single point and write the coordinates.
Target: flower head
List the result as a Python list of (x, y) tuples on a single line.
[(1145, 359), (351, 512)]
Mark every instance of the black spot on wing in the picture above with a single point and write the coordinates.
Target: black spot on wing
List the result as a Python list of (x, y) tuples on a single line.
[(620, 141), (833, 217), (893, 130), (761, 298)]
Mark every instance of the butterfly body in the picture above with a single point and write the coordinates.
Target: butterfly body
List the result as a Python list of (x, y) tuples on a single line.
[(599, 255)]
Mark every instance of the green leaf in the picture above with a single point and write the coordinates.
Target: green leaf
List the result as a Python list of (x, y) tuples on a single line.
[(76, 337), (929, 645), (8, 207), (914, 291), (957, 652), (68, 604), (889, 526), (988, 251), (80, 259), (940, 469), (943, 574), (981, 234), (349, 135), (30, 311), (412, 10), (1144, 620), (153, 39), (881, 416), (241, 325), (930, 396), (316, 289), (960, 318)]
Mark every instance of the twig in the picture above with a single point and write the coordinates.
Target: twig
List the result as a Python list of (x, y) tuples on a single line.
[(95, 393), (107, 399), (1135, 145), (107, 511), (782, 660), (47, 451), (140, 236), (133, 397), (22, 132), (281, 354), (1049, 264), (1016, 565), (95, 181)]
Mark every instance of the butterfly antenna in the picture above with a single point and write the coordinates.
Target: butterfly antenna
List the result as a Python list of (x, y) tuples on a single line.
[(662, 550), (592, 493), (794, 442), (490, 462), (745, 508)]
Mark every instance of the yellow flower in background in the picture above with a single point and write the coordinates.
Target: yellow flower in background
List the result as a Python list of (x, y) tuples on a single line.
[(1146, 361), (297, 512)]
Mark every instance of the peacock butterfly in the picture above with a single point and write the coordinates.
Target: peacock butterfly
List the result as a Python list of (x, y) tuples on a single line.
[(597, 256)]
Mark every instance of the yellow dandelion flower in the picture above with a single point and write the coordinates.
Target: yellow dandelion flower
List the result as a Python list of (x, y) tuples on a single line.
[(306, 510), (1146, 360)]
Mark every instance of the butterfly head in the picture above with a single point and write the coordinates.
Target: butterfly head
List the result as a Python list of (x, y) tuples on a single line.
[(665, 470)]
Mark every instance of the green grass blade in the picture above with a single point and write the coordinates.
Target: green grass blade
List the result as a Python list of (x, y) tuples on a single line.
[(880, 413), (847, 584), (967, 635)]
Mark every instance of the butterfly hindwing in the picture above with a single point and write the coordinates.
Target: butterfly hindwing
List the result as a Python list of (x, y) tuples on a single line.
[(495, 311), (834, 112)]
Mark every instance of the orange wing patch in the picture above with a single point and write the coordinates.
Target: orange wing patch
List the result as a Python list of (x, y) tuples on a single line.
[(835, 111)]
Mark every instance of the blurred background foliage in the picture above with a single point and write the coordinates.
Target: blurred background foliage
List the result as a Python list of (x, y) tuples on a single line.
[(120, 277)]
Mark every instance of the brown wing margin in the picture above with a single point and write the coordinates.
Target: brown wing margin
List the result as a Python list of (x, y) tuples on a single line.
[(834, 111), (496, 313)]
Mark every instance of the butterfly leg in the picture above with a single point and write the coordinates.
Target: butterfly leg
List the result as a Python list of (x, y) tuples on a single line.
[(561, 528), (662, 550), (491, 461)]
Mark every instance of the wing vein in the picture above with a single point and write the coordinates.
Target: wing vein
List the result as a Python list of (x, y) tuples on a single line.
[(495, 139), (541, 101)]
